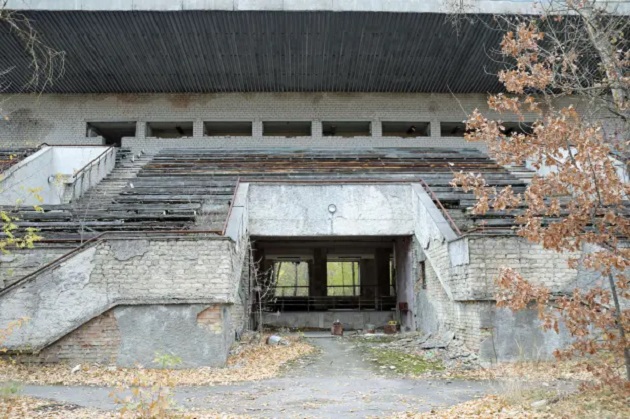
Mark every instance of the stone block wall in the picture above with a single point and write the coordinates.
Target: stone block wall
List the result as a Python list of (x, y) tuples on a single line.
[(460, 298)]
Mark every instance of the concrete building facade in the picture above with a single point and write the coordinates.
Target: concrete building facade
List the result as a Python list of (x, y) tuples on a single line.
[(290, 155)]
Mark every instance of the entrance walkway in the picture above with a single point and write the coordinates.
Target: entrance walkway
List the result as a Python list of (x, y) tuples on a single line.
[(336, 383)]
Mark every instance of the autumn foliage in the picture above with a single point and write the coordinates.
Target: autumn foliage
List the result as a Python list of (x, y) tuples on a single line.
[(577, 203)]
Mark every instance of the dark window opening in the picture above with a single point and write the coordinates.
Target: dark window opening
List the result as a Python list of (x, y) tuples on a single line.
[(517, 128), (169, 129), (405, 129), (346, 129), (343, 279), (227, 128), (452, 129), (291, 278), (423, 276), (112, 132), (286, 129)]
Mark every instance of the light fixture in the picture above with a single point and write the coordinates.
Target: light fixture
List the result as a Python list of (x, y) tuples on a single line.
[(332, 208)]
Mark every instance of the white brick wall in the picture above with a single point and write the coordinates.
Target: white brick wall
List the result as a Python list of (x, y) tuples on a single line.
[(168, 269)]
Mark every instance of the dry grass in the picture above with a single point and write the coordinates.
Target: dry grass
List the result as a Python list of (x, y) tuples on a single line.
[(587, 404), (538, 371), (255, 362), (28, 407)]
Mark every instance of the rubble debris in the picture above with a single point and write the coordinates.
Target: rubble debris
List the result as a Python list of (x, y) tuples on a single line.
[(277, 340), (444, 347), (439, 340)]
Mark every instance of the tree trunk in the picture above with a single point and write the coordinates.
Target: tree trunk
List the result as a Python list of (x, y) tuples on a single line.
[(622, 332), (607, 53)]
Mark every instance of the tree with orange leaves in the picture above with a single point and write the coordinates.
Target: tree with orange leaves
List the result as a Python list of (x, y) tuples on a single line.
[(579, 202)]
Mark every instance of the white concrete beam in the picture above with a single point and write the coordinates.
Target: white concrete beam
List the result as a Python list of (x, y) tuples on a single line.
[(409, 6)]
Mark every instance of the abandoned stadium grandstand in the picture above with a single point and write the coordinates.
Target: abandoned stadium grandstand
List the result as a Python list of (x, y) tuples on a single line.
[(190, 161)]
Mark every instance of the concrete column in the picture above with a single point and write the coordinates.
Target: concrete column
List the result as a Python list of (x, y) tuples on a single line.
[(377, 128), (369, 281), (316, 129), (381, 257), (257, 128), (405, 275), (317, 286), (198, 128), (141, 129)]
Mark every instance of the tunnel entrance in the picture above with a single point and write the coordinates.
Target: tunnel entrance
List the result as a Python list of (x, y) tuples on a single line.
[(309, 283)]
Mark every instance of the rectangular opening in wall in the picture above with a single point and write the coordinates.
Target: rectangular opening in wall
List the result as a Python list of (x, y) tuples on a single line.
[(111, 131), (227, 128), (346, 128), (343, 278), (169, 129), (405, 129), (452, 129), (291, 278), (517, 128), (287, 129)]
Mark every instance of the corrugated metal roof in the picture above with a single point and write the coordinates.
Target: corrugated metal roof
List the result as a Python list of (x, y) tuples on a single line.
[(215, 51)]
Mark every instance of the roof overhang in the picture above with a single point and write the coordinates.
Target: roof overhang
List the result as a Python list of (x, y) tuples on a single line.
[(259, 51)]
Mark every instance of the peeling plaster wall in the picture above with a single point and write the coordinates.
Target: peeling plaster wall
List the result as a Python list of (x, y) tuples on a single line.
[(114, 272), (128, 336), (21, 262), (197, 333)]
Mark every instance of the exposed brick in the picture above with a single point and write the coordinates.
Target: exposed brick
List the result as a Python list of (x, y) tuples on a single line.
[(96, 341)]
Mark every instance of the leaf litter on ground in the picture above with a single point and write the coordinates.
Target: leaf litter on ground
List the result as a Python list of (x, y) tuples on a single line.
[(252, 362)]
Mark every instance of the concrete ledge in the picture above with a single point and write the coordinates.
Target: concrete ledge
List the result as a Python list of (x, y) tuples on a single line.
[(408, 6)]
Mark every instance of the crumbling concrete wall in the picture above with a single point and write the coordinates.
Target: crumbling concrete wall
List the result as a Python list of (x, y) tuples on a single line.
[(470, 311), (197, 333), (21, 262), (159, 271), (498, 334), (133, 335)]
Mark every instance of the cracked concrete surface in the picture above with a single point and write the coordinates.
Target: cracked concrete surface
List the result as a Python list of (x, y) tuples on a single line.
[(335, 383)]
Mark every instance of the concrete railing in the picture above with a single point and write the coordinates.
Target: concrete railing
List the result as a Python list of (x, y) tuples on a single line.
[(56, 174), (91, 174)]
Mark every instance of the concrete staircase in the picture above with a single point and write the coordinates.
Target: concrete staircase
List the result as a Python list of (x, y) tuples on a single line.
[(127, 167)]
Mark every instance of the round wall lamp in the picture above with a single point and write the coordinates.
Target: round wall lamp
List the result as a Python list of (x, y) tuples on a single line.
[(332, 208)]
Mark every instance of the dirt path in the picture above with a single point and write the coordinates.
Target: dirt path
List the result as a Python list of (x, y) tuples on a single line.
[(336, 383)]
